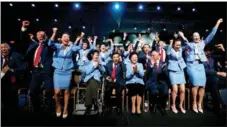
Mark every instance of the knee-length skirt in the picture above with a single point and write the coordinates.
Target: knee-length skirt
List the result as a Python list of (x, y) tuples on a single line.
[(62, 79), (196, 74), (177, 77)]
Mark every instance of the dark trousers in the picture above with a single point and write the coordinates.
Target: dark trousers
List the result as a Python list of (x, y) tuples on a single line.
[(91, 92), (108, 93), (38, 78), (160, 89), (9, 96), (213, 87)]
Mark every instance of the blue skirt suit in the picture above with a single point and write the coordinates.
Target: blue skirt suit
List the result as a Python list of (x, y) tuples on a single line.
[(63, 64), (176, 66), (195, 58)]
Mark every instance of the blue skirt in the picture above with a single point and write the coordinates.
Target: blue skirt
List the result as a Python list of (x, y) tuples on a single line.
[(62, 79), (177, 77), (196, 74)]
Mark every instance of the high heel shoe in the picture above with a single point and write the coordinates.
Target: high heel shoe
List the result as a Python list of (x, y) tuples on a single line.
[(200, 109), (182, 110), (64, 116), (174, 109), (58, 114), (195, 109)]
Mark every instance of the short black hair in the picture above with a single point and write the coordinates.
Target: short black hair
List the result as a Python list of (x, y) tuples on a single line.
[(131, 54), (91, 53), (115, 53)]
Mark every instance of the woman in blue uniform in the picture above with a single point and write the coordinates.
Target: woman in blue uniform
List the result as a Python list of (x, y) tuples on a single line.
[(134, 82), (195, 58), (63, 64), (175, 68)]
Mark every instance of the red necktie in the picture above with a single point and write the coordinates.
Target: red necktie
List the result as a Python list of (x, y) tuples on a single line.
[(113, 75), (38, 55), (162, 54), (156, 67), (12, 79)]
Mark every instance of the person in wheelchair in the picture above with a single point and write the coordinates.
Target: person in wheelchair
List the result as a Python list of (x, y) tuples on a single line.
[(93, 71), (157, 81), (115, 76)]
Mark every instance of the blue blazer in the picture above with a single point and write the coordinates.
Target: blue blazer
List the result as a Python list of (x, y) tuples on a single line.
[(175, 63), (46, 57), (134, 78), (190, 56), (210, 68), (81, 61), (89, 71), (143, 57), (156, 78), (63, 61), (121, 71)]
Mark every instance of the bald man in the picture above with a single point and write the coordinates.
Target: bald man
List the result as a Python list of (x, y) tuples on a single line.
[(11, 69), (157, 82)]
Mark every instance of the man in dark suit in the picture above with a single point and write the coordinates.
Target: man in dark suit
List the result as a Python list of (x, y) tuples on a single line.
[(11, 68), (40, 57), (214, 79), (115, 72), (157, 81)]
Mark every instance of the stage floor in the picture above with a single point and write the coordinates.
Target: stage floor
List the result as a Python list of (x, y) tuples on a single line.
[(188, 119)]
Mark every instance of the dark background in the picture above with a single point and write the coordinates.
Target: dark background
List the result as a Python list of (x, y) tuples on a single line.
[(100, 18)]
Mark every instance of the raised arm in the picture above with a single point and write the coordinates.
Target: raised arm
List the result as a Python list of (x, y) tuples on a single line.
[(185, 40), (213, 32), (110, 50), (169, 47), (51, 40)]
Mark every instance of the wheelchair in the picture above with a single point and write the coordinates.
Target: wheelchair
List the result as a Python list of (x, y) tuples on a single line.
[(79, 108)]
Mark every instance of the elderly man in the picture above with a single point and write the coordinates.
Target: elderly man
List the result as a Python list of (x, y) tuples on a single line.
[(11, 68)]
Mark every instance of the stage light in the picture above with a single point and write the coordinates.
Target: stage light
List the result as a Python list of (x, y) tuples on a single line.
[(158, 8), (55, 20), (221, 31), (193, 9), (37, 19), (69, 27), (164, 29), (10, 4), (178, 9), (77, 5), (19, 19), (83, 27), (135, 28), (33, 5), (116, 6), (207, 30), (140, 7), (56, 5)]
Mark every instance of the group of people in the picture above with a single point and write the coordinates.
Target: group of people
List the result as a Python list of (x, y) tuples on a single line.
[(137, 67)]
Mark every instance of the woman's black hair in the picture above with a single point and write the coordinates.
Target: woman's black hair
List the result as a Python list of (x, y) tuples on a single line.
[(145, 45), (131, 54), (91, 53), (174, 41), (115, 53)]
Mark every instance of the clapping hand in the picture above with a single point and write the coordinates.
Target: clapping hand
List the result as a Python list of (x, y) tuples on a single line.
[(55, 29)]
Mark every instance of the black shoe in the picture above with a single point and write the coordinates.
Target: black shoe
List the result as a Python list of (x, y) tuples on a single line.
[(139, 114), (133, 114), (163, 111)]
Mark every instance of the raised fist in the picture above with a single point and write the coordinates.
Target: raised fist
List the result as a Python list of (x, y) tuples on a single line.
[(82, 34), (31, 36), (25, 23), (220, 20), (95, 37), (181, 34), (55, 29), (125, 34)]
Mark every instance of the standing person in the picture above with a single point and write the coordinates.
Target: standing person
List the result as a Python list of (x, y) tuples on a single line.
[(195, 68), (135, 83), (115, 72), (11, 68), (93, 72), (105, 53), (63, 64), (40, 57), (176, 67), (157, 82)]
